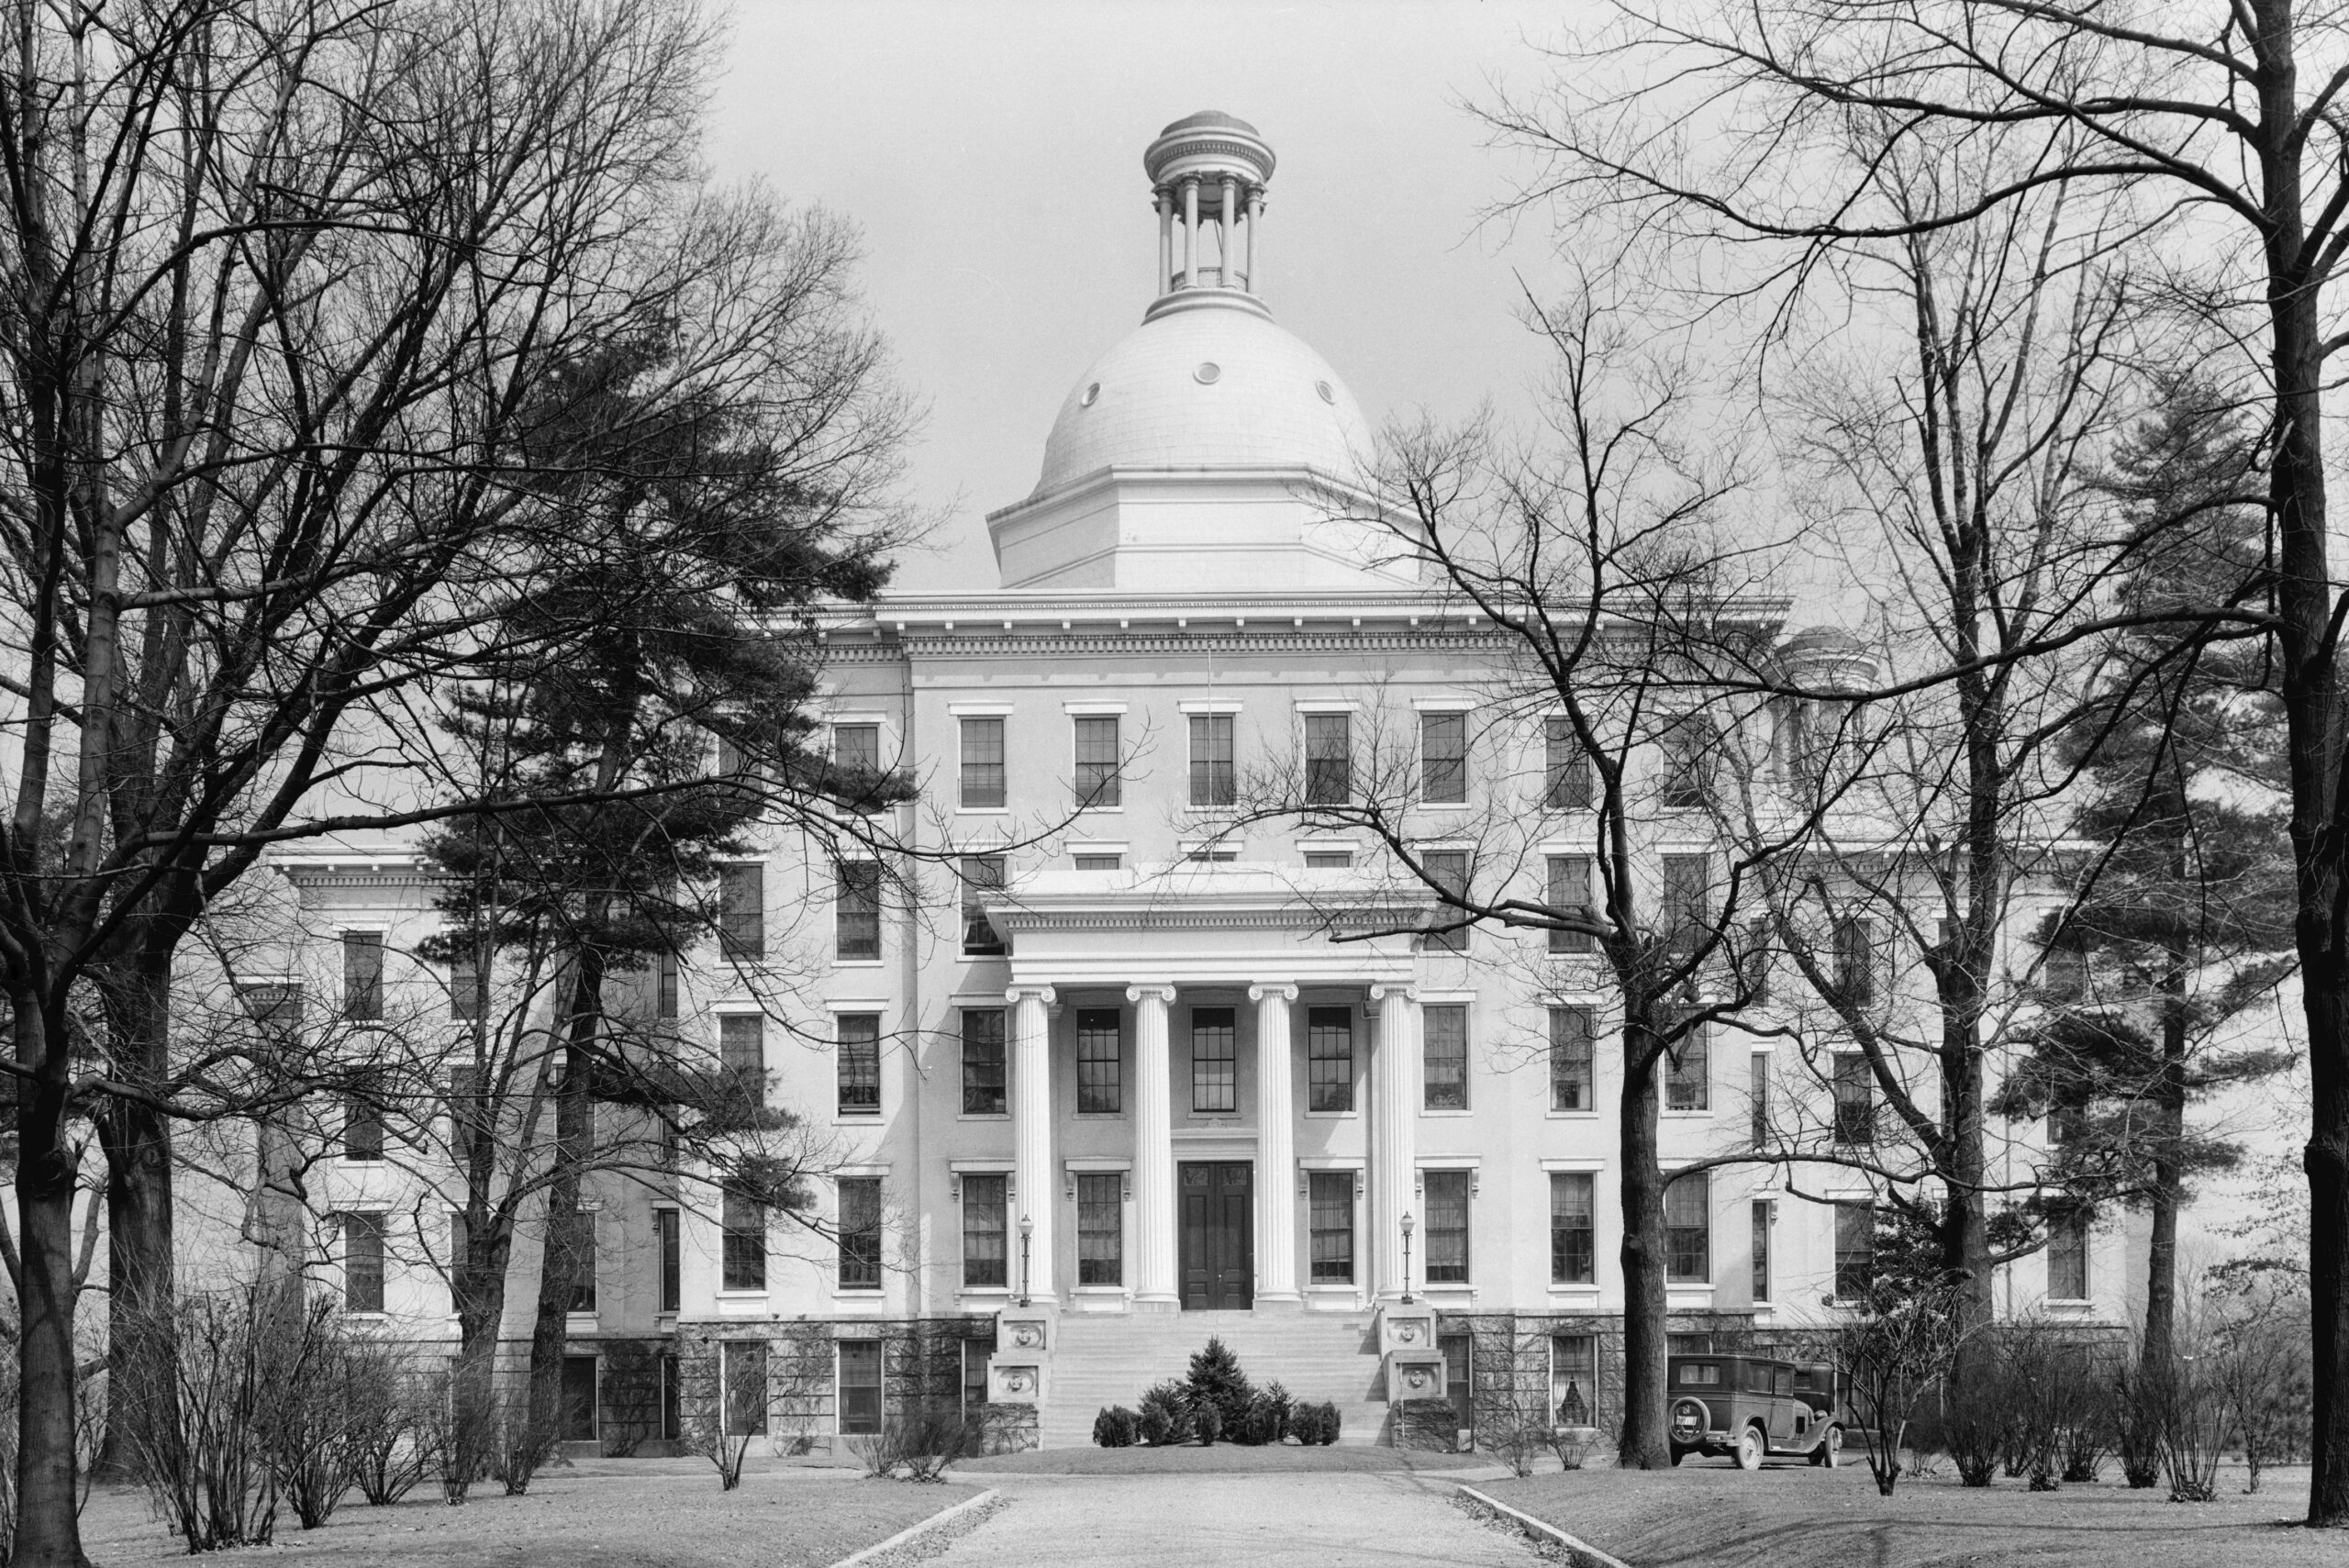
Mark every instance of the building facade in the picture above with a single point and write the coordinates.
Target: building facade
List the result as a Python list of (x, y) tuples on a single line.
[(1117, 1061)]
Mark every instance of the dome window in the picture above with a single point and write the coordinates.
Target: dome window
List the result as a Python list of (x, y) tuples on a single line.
[(1327, 395), (1209, 374), (1092, 395)]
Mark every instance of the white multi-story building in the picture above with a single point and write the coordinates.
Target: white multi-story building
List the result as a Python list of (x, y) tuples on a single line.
[(1116, 1087)]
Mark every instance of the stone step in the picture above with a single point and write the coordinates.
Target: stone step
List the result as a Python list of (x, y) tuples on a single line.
[(1104, 1360)]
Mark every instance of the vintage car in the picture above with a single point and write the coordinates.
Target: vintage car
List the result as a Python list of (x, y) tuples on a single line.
[(1751, 1407)]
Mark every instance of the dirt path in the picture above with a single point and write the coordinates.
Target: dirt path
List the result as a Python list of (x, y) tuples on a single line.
[(1231, 1521)]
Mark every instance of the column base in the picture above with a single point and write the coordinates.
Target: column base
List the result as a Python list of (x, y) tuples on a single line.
[(1279, 1301), (1157, 1304)]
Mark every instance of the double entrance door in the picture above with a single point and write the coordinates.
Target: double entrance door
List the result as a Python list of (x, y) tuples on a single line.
[(1217, 1235)]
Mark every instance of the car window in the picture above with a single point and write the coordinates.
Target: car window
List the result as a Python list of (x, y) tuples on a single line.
[(1695, 1374), (1757, 1378), (1785, 1380)]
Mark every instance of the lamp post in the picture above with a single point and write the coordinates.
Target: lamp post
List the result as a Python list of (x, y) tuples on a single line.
[(1407, 1257), (1026, 1229)]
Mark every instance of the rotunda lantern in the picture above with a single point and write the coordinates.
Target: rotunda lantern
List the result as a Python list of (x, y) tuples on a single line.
[(1210, 167)]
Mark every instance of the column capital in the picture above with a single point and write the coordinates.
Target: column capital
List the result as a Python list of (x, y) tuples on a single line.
[(1284, 990), (1151, 990), (1382, 989), (1021, 993)]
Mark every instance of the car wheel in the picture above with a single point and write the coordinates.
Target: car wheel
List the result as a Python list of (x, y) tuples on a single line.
[(1831, 1448), (1749, 1449)]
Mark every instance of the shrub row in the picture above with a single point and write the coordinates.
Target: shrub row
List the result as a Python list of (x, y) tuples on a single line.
[(1216, 1401)]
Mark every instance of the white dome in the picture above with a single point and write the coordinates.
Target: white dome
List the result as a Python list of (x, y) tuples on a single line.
[(1217, 385)]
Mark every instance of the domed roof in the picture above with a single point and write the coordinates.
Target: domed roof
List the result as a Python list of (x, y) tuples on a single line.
[(1207, 118), (1206, 388)]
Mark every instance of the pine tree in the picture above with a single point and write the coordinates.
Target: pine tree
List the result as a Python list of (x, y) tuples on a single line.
[(1216, 1380), (2184, 919)]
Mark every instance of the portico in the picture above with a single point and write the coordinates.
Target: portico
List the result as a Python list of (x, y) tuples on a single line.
[(1259, 1050)]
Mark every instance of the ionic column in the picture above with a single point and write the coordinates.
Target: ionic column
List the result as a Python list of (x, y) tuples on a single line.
[(1227, 257), (1191, 232), (1275, 1147), (1256, 222), (1031, 1135), (1166, 204), (1394, 1123), (1154, 1284)]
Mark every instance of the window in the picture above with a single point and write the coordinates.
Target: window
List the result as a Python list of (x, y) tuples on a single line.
[(1689, 1228), (1761, 1249), (977, 1351), (983, 764), (1213, 782), (1443, 1036), (1569, 894), (464, 987), (669, 1224), (1757, 1097), (860, 1062), (1096, 762), (1570, 1053), (856, 752), (362, 1129), (982, 874), (1854, 1099), (1854, 1249), (1100, 1060), (860, 1233), (1566, 768), (2067, 1260), (1444, 758), (1328, 859), (1446, 1198), (1330, 1059), (742, 1369), (985, 1208), (1689, 750), (1688, 901), (1097, 862), (1688, 1066), (859, 910), (276, 1008), (744, 1249), (362, 1262), (1573, 1379), (1214, 1062), (1573, 1221), (664, 988), (583, 1235), (859, 1397), (742, 1052), (578, 1400), (1447, 871), (1856, 962), (1100, 1229), (673, 1399), (1329, 1225), (1328, 759), (741, 911), (362, 974), (983, 1078)]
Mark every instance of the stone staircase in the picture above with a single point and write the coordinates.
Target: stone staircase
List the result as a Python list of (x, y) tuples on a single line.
[(1109, 1360)]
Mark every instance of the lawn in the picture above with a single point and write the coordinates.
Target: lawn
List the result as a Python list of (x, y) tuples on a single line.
[(1220, 1459), (1716, 1516), (637, 1513)]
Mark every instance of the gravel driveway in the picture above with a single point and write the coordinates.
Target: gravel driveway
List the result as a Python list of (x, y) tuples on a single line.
[(1231, 1521)]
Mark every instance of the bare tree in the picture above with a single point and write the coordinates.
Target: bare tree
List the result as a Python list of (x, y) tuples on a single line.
[(1622, 629), (2229, 122), (286, 292)]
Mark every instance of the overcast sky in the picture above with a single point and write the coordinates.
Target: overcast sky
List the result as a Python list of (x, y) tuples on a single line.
[(992, 154)]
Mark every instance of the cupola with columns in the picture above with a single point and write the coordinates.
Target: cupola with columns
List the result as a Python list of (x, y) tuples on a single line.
[(1207, 168)]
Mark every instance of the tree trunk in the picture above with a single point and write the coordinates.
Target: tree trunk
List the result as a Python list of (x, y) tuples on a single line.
[(48, 1526), (2169, 1184), (569, 1251), (1645, 1442), (478, 1288), (142, 1349)]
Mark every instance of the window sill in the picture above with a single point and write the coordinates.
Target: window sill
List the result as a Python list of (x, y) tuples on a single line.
[(859, 1296), (859, 963), (1444, 805), (1452, 1112), (1576, 1295), (1098, 1116), (2069, 1303), (982, 1116), (1332, 1115), (1696, 1114), (983, 811), (970, 957), (857, 1118), (1571, 1116), (991, 1296)]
